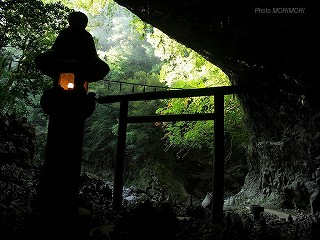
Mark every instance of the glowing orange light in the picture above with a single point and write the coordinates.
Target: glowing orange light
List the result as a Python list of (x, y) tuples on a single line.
[(66, 81)]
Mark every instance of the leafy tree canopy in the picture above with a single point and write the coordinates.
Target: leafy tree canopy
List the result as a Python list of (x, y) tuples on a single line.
[(93, 7), (184, 68), (29, 28)]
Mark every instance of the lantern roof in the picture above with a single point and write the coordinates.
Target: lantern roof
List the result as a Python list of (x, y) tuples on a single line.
[(73, 51)]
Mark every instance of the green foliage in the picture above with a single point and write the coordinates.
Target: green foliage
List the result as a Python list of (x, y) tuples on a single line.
[(91, 6), (199, 134), (128, 58), (30, 28), (184, 68), (141, 27), (143, 140), (167, 153), (182, 65), (99, 140)]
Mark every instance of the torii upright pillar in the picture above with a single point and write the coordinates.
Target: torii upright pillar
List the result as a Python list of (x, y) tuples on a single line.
[(218, 161)]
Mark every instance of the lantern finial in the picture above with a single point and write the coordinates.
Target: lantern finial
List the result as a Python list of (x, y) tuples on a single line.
[(73, 51)]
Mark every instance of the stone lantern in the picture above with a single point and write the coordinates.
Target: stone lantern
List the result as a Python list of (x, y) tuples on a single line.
[(72, 63)]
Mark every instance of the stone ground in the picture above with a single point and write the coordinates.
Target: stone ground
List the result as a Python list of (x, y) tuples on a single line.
[(103, 232)]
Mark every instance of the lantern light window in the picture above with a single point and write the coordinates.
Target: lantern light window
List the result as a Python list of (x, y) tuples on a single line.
[(66, 81)]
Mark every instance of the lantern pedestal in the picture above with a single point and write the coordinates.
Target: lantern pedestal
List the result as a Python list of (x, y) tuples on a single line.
[(58, 225), (67, 112), (58, 209)]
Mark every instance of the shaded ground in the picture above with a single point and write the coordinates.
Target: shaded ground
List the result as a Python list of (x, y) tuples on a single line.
[(146, 217)]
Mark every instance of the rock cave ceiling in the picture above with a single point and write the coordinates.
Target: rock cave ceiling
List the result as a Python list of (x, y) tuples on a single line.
[(251, 41)]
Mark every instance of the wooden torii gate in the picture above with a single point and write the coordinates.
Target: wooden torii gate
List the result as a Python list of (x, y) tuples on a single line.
[(217, 116)]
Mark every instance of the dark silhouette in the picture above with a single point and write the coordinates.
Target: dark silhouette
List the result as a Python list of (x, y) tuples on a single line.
[(146, 222), (73, 50), (74, 41)]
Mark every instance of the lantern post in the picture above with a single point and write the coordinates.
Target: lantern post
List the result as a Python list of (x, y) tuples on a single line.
[(68, 104)]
